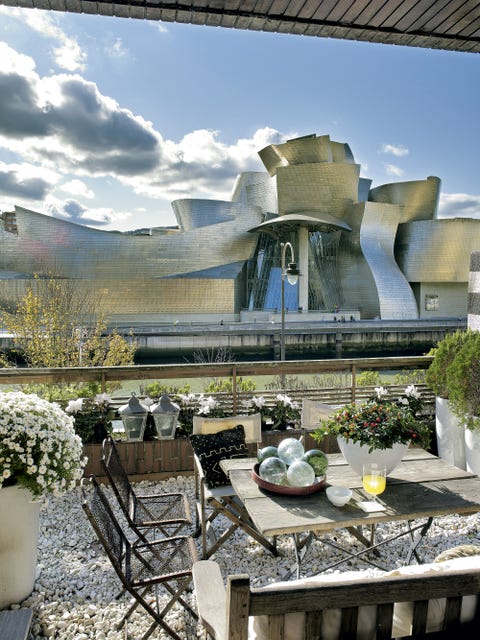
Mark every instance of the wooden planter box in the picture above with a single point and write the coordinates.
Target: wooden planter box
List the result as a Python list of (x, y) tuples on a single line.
[(159, 459)]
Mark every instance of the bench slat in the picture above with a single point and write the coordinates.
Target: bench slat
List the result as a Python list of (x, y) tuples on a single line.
[(15, 625)]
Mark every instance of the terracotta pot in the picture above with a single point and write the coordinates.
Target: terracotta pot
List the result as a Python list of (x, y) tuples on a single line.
[(19, 528), (357, 455)]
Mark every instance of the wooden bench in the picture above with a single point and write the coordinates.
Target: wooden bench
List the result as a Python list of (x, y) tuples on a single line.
[(15, 624), (224, 612)]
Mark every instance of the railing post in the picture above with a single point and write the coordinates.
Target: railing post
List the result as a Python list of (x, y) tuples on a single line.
[(353, 373), (234, 390), (103, 382)]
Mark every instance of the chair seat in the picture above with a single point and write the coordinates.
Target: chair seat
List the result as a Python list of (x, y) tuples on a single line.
[(165, 509), (161, 560), (219, 492)]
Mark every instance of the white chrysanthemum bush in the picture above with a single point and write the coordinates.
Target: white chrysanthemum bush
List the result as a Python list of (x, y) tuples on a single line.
[(39, 449)]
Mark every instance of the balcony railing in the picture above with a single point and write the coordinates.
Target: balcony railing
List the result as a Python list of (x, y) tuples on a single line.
[(234, 371), (146, 460)]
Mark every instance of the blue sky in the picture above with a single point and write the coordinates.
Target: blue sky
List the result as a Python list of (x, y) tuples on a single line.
[(104, 121)]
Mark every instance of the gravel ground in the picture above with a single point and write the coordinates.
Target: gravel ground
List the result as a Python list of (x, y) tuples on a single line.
[(75, 593)]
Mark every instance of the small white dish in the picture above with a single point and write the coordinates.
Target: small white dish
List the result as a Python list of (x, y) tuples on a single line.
[(339, 496)]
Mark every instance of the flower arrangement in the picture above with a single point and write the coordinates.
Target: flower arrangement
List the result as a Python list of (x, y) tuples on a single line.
[(92, 417), (195, 405), (411, 398), (39, 449), (285, 412), (254, 404), (376, 424)]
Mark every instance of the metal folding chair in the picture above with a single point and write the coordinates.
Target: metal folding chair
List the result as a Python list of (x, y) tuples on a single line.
[(143, 568), (168, 513), (213, 502)]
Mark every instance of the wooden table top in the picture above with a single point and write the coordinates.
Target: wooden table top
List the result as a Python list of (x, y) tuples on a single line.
[(421, 486)]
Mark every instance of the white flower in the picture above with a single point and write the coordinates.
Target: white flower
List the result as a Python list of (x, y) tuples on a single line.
[(103, 400), (381, 392), (74, 406), (38, 445), (412, 392), (206, 405), (403, 401), (258, 401)]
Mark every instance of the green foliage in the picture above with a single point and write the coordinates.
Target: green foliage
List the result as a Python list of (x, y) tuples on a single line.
[(463, 381), (376, 424), (156, 389), (444, 353), (410, 376), (368, 379), (93, 423), (283, 413), (225, 385), (56, 324)]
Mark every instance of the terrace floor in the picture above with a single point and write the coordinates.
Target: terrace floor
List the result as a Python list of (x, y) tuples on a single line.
[(75, 593)]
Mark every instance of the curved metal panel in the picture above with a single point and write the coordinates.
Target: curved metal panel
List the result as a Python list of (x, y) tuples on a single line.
[(418, 197), (377, 236), (437, 250)]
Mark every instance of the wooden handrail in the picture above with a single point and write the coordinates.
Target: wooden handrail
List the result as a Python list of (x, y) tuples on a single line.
[(233, 370)]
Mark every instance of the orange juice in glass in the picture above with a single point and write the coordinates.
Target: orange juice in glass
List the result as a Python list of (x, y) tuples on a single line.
[(374, 479)]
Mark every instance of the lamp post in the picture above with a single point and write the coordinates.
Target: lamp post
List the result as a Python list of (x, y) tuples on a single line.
[(291, 273)]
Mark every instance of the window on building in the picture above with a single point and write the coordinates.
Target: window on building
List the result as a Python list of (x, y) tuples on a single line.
[(431, 302)]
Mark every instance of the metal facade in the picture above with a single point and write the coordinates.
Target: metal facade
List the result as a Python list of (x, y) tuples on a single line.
[(378, 253)]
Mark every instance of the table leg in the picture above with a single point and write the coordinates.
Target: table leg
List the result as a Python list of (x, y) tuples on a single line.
[(417, 538)]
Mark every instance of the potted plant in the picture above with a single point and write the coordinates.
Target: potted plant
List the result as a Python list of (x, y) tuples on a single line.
[(463, 385), (375, 431), (284, 413), (92, 417), (448, 428), (40, 453)]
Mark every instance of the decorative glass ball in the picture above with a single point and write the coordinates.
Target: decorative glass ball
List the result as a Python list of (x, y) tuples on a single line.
[(273, 470), (290, 450), (300, 474)]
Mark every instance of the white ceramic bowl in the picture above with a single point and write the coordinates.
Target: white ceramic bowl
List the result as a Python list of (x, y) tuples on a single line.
[(339, 496)]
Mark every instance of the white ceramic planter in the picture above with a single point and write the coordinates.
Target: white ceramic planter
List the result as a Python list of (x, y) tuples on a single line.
[(357, 455), (450, 434), (19, 527), (472, 451)]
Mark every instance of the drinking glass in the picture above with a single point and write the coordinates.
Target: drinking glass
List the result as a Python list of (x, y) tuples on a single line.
[(374, 479)]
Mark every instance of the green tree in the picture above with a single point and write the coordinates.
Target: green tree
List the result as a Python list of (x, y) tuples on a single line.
[(58, 323)]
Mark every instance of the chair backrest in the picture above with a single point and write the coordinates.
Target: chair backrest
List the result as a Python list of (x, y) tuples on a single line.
[(118, 477), (313, 412), (251, 423), (107, 528)]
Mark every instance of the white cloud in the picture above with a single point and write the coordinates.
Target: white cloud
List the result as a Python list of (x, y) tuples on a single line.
[(397, 150), (72, 211), (77, 188), (63, 123), (116, 49), (459, 205), (26, 181), (68, 54), (393, 170)]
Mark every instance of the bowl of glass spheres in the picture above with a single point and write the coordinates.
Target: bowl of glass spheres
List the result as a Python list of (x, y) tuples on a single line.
[(290, 470)]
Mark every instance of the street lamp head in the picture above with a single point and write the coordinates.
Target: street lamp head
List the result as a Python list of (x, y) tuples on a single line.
[(292, 273)]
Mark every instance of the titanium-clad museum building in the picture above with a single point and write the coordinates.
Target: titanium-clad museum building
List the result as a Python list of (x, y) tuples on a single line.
[(362, 253)]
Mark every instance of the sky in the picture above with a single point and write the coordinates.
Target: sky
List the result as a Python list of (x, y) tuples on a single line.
[(105, 121)]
